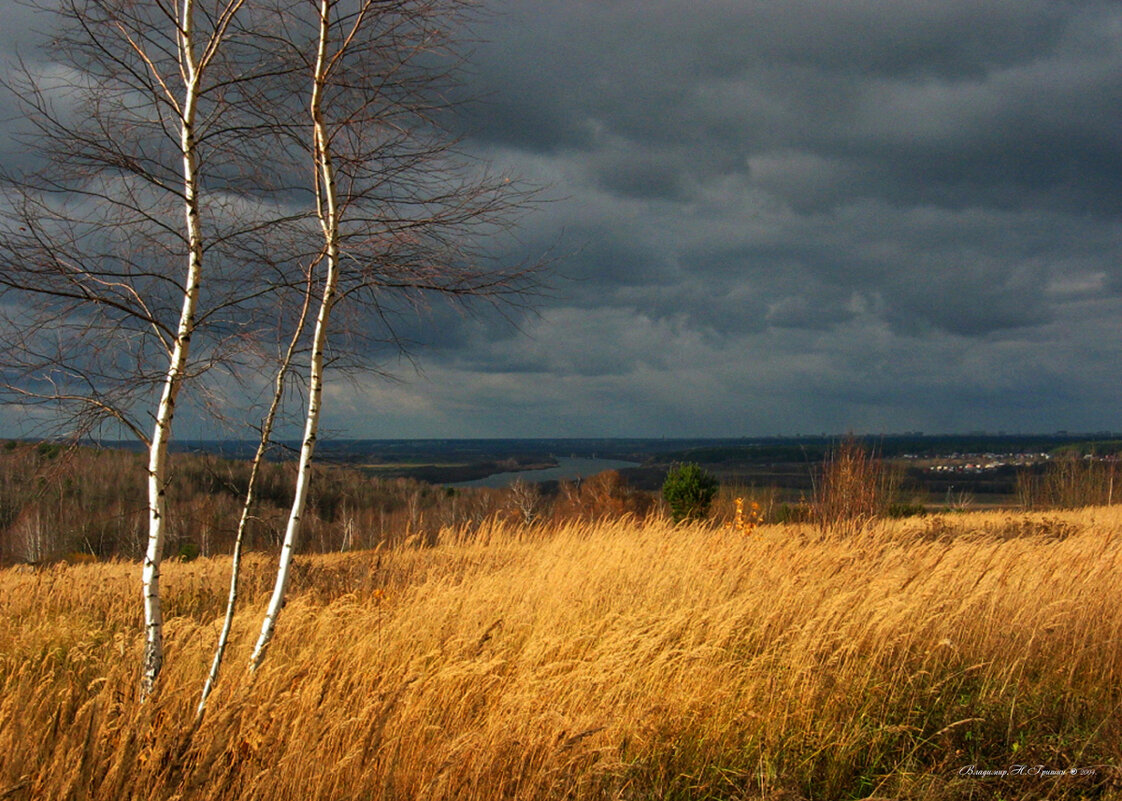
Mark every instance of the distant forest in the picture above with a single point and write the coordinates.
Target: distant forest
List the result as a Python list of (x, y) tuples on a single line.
[(81, 503)]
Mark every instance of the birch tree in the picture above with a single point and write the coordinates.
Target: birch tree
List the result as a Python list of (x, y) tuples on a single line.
[(193, 59), (142, 179), (193, 154), (396, 210)]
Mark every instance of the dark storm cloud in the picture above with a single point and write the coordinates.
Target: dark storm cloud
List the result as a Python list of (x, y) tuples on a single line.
[(781, 216), (856, 213), (17, 37), (940, 99), (23, 27)]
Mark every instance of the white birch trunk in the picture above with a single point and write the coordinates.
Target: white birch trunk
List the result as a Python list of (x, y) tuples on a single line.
[(247, 505), (326, 208), (173, 379)]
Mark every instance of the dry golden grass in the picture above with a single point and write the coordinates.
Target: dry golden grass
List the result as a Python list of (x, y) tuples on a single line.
[(610, 660)]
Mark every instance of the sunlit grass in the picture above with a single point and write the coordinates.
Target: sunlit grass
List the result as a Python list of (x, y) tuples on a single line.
[(604, 660)]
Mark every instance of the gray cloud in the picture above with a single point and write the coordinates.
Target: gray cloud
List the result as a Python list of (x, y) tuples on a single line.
[(897, 215), (780, 217)]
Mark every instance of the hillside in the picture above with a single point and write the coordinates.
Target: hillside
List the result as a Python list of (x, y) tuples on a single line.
[(594, 660)]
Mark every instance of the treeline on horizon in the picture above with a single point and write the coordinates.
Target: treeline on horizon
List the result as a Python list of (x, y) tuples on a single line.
[(86, 504), (889, 446), (775, 448)]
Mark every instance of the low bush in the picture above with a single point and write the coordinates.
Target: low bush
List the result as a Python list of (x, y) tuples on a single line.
[(689, 492), (854, 487)]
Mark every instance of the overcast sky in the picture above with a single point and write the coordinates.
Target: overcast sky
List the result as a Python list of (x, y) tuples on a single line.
[(787, 217)]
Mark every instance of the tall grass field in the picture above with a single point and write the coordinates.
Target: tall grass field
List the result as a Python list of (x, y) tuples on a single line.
[(957, 656)]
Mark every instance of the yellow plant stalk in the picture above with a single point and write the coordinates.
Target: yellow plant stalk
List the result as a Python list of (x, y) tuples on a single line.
[(592, 660)]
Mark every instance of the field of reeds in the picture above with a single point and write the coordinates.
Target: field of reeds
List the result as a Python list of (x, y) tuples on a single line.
[(915, 658)]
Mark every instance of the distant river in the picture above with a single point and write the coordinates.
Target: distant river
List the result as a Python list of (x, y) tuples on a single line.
[(567, 468)]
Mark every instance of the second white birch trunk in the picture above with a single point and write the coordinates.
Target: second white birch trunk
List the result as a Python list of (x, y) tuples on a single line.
[(326, 207)]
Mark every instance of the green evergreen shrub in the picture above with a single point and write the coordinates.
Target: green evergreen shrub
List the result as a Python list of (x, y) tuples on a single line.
[(688, 491)]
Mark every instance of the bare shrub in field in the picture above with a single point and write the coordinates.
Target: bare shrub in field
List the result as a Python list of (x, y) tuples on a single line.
[(1069, 481), (592, 660), (853, 488), (602, 496)]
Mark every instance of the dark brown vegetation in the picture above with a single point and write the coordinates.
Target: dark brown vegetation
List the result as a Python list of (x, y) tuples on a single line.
[(853, 488), (1070, 481), (90, 503)]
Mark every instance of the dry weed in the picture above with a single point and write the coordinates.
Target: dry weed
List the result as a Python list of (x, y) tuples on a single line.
[(600, 660)]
